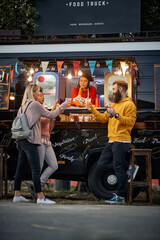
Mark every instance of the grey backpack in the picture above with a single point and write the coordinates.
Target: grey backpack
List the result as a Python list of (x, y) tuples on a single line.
[(20, 129)]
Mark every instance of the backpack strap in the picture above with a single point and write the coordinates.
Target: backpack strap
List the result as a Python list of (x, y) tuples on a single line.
[(27, 106)]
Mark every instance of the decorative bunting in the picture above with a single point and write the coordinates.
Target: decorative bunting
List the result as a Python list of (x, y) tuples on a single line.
[(109, 64), (44, 66), (11, 75), (124, 67), (59, 65), (76, 66), (16, 68), (92, 66), (7, 75)]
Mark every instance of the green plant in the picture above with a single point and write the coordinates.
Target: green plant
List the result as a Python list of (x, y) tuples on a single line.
[(18, 15)]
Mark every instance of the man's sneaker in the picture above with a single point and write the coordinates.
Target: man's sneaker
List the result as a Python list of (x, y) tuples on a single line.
[(20, 199), (32, 191), (116, 200), (135, 170), (45, 201)]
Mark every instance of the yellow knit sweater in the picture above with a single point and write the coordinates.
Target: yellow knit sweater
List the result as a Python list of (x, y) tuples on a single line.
[(119, 129)]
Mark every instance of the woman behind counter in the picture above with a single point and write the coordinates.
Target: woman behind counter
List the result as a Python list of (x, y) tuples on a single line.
[(83, 90)]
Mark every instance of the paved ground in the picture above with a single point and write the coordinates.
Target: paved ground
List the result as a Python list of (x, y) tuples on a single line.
[(27, 221)]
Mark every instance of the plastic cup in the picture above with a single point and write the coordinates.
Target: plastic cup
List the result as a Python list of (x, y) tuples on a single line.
[(68, 99), (87, 102)]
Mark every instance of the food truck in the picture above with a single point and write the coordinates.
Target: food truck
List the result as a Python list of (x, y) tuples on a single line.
[(78, 138)]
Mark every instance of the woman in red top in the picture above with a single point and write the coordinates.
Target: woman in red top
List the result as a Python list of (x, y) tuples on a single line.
[(83, 90)]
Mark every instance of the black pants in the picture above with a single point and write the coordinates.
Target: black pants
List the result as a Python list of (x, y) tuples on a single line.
[(114, 157), (28, 152)]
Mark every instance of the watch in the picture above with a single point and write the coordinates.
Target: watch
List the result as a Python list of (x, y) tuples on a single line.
[(116, 115)]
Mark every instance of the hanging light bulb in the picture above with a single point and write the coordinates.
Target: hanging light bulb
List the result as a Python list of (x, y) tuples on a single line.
[(12, 96), (23, 69), (30, 79), (65, 66), (118, 72), (69, 76), (31, 70), (85, 63), (80, 72), (98, 65)]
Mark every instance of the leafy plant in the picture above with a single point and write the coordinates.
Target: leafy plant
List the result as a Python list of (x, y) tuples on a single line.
[(18, 15), (150, 15)]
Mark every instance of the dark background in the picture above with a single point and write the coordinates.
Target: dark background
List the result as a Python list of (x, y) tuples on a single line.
[(55, 17)]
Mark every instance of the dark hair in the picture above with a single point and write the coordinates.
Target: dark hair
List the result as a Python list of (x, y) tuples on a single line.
[(122, 84), (87, 76)]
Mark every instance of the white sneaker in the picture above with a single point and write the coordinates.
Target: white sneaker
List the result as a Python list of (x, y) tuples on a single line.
[(45, 201), (20, 199)]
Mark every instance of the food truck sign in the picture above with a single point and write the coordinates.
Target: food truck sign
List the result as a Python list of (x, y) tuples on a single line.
[(87, 17)]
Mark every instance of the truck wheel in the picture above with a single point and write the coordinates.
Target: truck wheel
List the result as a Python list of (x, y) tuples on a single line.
[(103, 183)]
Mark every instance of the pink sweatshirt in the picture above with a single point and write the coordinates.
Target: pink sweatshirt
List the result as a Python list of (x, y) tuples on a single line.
[(46, 127)]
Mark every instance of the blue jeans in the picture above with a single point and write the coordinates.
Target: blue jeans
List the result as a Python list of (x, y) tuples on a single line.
[(47, 153), (112, 157), (28, 151)]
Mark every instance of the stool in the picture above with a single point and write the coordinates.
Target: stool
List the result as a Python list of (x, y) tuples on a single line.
[(148, 182)]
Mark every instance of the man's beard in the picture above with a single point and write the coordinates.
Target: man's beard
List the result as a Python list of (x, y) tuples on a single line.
[(117, 97)]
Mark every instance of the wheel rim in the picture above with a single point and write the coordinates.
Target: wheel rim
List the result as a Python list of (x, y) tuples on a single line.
[(109, 181)]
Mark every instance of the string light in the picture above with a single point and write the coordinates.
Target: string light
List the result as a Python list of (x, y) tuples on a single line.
[(118, 72), (69, 76), (31, 70), (30, 79), (80, 73), (86, 64), (12, 96), (23, 69)]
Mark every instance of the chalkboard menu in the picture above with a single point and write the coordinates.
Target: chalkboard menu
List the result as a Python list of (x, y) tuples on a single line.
[(157, 85), (4, 86)]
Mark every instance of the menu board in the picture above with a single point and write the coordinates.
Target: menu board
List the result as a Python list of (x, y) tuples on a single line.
[(4, 87)]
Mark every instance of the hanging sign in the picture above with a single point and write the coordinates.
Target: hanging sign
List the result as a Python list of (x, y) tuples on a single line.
[(69, 17)]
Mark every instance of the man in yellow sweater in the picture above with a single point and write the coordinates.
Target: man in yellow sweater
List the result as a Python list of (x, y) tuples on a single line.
[(121, 117)]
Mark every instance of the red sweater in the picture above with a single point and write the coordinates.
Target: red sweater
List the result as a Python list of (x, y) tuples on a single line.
[(92, 94)]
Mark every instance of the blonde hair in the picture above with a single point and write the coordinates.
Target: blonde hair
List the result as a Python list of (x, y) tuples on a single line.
[(28, 94)]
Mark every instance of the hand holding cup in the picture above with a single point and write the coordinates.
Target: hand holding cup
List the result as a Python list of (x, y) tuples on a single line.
[(68, 102)]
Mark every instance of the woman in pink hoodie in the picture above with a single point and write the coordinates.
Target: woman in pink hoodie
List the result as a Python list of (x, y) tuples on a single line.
[(45, 150)]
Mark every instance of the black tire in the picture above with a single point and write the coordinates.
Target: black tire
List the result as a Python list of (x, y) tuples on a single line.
[(103, 183)]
